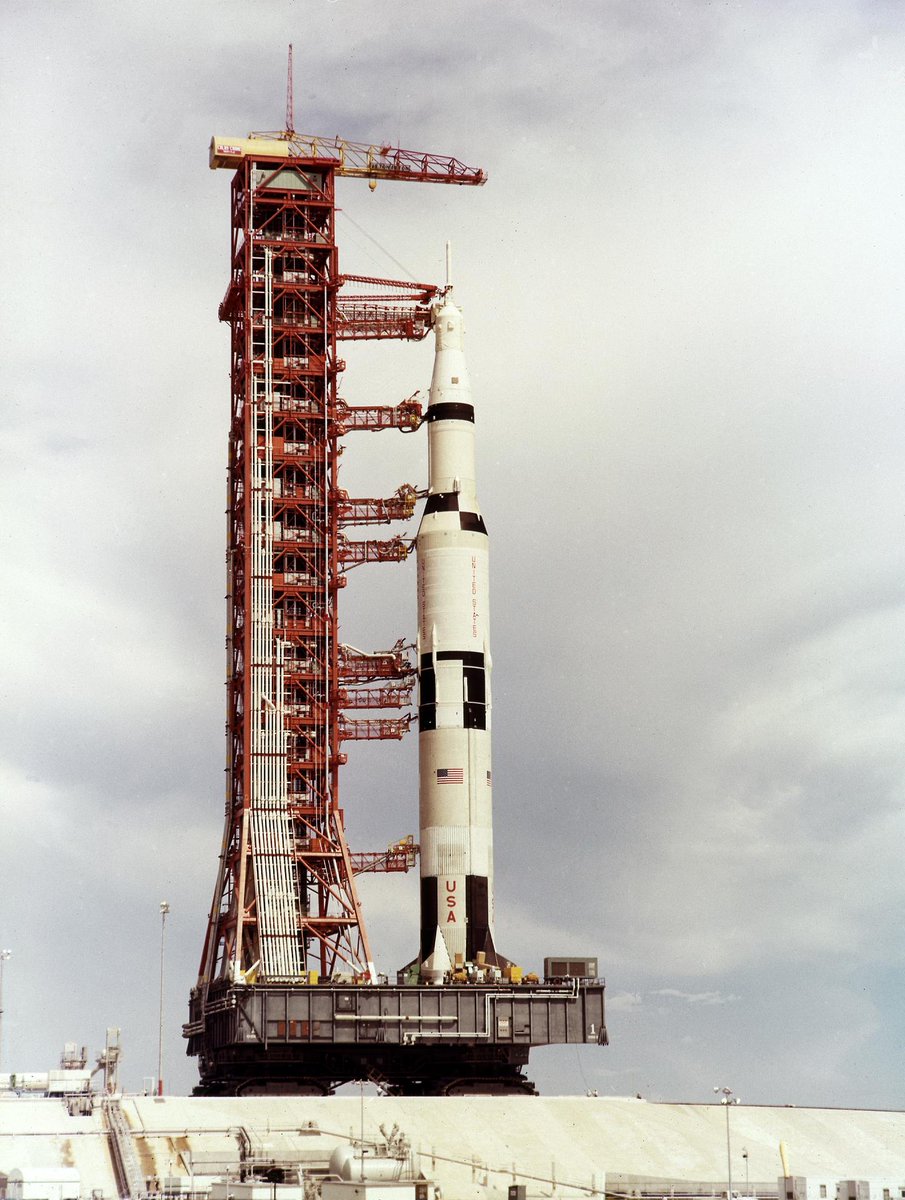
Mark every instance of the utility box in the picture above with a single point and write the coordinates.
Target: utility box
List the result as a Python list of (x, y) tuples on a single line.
[(792, 1187), (255, 1190), (569, 968), (375, 1189), (853, 1189), (517, 1191), (68, 1083)]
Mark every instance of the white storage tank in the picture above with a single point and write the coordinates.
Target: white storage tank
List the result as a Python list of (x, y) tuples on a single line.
[(355, 1165), (29, 1081)]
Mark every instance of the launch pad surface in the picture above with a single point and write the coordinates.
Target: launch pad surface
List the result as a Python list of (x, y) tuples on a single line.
[(410, 1039), (568, 1147)]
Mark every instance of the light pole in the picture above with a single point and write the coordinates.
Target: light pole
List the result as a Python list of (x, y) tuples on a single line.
[(4, 955), (164, 909), (727, 1098)]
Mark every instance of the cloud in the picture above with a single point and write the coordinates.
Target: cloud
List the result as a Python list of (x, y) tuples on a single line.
[(682, 296), (623, 1001), (695, 997)]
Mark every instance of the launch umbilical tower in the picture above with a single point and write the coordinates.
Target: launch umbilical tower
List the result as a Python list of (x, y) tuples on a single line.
[(287, 996), (285, 901)]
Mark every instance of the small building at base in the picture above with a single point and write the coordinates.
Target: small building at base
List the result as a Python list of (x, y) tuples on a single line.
[(43, 1183)]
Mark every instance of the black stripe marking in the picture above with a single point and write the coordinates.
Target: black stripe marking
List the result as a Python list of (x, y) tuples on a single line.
[(474, 689), (427, 696), (476, 917), (451, 410), (475, 685), (442, 502), (473, 522), (477, 928), (427, 686), (429, 912)]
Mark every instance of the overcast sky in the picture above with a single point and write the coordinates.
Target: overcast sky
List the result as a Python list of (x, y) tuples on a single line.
[(683, 297)]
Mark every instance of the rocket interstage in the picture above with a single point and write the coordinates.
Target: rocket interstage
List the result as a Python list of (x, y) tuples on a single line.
[(455, 793)]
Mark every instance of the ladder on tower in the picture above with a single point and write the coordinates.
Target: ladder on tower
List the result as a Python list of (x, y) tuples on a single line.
[(126, 1167)]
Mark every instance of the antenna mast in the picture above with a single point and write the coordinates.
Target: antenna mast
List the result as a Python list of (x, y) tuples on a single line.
[(290, 102)]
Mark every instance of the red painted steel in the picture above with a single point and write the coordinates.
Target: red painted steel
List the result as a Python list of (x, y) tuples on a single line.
[(285, 315), (405, 416), (400, 857)]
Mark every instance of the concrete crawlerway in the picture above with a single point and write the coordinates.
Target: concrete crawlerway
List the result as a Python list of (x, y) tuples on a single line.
[(472, 1146)]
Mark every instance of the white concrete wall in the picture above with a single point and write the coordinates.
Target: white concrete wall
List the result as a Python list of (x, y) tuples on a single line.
[(477, 1146)]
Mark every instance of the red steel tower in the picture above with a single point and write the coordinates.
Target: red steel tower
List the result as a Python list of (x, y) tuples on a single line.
[(285, 904)]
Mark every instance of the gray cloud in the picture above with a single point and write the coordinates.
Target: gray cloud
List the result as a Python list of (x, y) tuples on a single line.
[(683, 301)]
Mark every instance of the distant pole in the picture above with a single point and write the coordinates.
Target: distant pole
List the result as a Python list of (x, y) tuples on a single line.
[(164, 909), (361, 1084), (4, 955), (727, 1098)]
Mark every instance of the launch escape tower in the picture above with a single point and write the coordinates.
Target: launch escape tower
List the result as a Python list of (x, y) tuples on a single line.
[(287, 997)]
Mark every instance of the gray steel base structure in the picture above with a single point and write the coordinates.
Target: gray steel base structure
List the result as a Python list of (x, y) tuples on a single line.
[(413, 1040)]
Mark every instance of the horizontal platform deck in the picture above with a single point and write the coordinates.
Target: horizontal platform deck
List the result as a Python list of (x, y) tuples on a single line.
[(412, 1038)]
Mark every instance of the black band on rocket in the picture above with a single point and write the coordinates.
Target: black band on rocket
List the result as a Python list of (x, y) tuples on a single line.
[(450, 410), (442, 502), (449, 502), (474, 689)]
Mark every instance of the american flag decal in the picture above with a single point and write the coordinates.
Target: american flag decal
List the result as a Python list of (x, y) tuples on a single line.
[(450, 775)]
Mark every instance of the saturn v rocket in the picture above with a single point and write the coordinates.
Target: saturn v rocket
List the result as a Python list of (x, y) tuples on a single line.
[(455, 793)]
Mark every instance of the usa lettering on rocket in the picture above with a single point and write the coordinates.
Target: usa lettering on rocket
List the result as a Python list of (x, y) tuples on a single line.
[(455, 793)]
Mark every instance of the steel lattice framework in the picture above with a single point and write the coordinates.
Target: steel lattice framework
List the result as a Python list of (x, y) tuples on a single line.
[(285, 901)]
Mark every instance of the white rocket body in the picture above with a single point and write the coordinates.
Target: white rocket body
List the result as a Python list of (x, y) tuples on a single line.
[(456, 831)]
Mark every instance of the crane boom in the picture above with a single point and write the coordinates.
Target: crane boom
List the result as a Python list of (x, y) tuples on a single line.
[(360, 160)]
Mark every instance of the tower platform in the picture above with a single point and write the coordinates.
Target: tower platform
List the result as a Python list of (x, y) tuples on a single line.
[(410, 1039)]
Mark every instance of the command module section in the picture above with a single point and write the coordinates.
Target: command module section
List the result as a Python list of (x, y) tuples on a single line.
[(411, 1040)]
